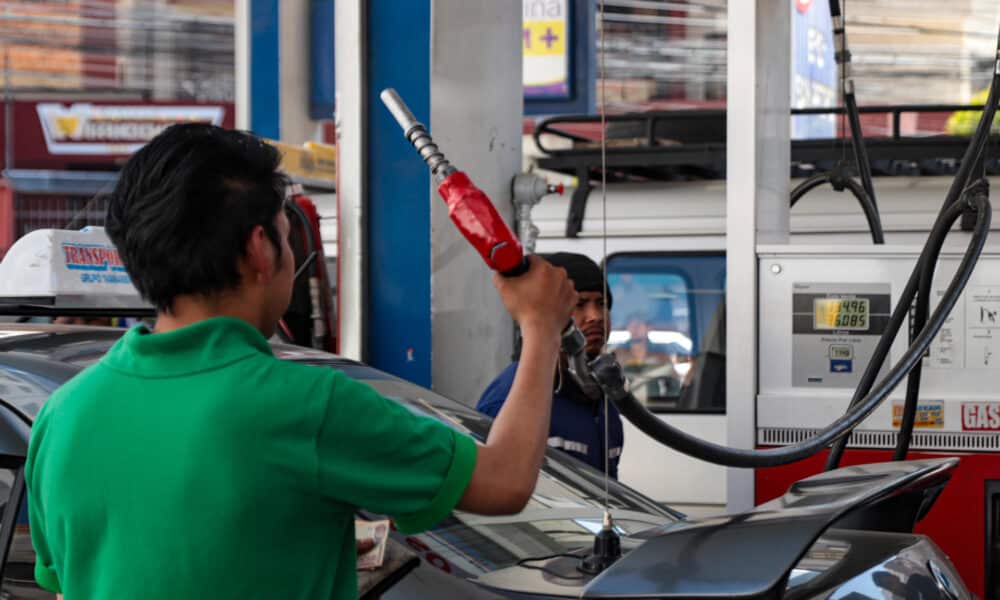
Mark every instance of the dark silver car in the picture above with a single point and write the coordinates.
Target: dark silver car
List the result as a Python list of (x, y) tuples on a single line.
[(842, 534)]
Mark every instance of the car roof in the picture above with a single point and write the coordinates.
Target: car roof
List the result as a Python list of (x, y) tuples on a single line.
[(36, 358), (48, 339)]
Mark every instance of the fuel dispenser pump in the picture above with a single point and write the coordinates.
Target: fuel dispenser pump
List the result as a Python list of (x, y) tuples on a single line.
[(830, 328), (868, 395)]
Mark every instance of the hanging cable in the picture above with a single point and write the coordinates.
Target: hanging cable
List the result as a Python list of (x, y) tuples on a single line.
[(607, 543), (604, 240)]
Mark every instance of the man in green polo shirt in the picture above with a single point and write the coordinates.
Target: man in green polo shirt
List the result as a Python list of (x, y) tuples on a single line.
[(190, 463)]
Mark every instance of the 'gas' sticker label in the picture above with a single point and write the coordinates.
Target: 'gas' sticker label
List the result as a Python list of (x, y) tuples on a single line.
[(981, 416)]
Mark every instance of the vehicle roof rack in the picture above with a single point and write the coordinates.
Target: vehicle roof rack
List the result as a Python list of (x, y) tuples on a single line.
[(691, 144)]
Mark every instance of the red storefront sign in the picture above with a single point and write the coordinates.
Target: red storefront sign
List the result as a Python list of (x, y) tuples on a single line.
[(98, 135)]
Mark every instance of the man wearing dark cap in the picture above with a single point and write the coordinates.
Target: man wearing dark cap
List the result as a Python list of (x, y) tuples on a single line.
[(578, 420)]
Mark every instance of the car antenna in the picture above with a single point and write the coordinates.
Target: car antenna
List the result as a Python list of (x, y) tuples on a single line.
[(607, 542)]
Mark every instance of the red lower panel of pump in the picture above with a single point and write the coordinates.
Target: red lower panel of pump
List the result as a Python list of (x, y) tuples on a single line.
[(958, 521)]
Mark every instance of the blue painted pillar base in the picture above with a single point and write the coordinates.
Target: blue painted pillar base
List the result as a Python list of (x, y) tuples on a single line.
[(398, 206)]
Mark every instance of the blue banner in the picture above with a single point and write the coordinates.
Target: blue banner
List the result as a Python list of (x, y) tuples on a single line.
[(814, 71)]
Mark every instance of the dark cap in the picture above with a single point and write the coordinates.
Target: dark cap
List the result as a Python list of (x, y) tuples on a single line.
[(583, 272)]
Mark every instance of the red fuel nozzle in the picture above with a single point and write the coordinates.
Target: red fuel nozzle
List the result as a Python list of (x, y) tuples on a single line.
[(469, 208), (474, 215)]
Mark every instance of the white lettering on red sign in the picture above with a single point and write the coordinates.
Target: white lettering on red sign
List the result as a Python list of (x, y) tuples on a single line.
[(88, 129), (981, 416)]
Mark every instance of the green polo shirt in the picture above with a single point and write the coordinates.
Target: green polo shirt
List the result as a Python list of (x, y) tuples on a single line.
[(194, 464)]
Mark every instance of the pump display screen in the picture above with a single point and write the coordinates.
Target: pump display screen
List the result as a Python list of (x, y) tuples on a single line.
[(841, 313)]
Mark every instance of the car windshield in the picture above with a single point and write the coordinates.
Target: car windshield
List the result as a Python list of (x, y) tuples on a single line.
[(562, 516)]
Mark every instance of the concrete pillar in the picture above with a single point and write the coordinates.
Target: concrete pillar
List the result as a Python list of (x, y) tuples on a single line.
[(757, 191), (293, 75), (415, 298), (476, 111)]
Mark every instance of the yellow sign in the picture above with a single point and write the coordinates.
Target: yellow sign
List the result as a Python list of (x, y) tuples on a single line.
[(311, 160), (544, 38), (545, 49), (930, 415), (325, 156)]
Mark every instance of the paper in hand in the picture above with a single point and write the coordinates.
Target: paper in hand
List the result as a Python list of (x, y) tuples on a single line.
[(378, 531)]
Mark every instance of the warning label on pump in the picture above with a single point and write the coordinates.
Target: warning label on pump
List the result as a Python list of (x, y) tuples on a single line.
[(930, 415), (947, 350), (982, 324), (981, 416)]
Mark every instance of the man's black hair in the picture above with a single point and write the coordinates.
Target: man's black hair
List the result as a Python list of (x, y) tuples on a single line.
[(185, 205)]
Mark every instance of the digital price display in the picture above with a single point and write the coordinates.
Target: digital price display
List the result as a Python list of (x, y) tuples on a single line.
[(841, 313)]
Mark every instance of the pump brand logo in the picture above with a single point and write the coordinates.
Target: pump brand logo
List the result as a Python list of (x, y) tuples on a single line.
[(930, 415), (981, 416), (89, 129)]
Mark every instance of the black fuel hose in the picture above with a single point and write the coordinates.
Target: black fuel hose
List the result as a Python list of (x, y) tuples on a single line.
[(977, 146), (310, 264), (867, 397), (300, 214), (843, 58), (839, 180), (865, 400), (650, 424), (972, 157), (943, 223), (858, 145), (920, 312), (909, 417), (865, 191)]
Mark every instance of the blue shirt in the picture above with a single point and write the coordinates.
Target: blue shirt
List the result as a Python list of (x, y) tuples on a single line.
[(577, 425)]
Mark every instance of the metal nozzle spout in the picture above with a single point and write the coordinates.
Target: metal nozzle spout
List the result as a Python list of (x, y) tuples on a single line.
[(417, 134), (399, 110)]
